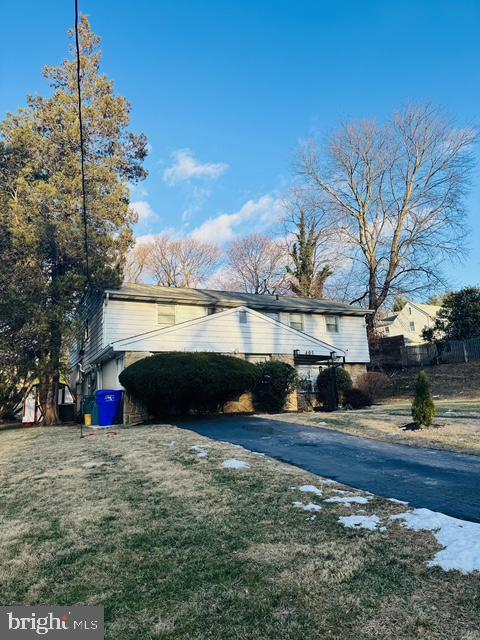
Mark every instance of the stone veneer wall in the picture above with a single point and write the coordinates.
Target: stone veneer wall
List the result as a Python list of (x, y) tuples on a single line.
[(134, 411)]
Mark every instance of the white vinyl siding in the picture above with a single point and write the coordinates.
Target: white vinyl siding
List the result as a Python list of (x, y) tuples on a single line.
[(351, 337), (224, 333), (125, 318)]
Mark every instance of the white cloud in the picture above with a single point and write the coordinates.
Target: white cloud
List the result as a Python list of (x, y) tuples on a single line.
[(262, 213), (185, 167), (143, 210)]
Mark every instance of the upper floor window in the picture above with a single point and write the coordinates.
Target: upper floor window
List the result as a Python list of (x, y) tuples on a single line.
[(332, 323), (166, 314), (387, 329), (296, 321), (412, 326), (273, 314), (242, 316)]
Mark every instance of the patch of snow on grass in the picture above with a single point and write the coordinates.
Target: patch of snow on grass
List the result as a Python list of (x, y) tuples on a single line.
[(361, 522), (232, 463), (349, 500), (460, 538), (310, 488), (307, 507), (200, 451), (395, 501)]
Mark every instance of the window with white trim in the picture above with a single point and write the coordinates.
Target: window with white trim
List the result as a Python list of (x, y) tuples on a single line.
[(242, 316), (331, 322), (296, 321), (166, 315), (412, 326)]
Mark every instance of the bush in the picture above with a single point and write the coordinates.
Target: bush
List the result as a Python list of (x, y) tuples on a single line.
[(276, 380), (423, 408), (377, 385), (178, 383), (326, 386), (357, 399)]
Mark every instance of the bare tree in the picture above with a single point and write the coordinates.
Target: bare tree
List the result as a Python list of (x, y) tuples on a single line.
[(136, 263), (256, 264), (184, 262), (394, 194)]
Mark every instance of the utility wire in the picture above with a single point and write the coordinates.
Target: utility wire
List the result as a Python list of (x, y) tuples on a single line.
[(82, 148)]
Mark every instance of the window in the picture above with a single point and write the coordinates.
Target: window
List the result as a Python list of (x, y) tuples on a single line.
[(332, 323), (273, 314), (412, 326), (166, 314), (296, 321), (387, 329), (410, 310), (242, 316)]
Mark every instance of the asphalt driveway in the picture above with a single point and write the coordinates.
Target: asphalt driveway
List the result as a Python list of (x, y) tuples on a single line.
[(437, 480)]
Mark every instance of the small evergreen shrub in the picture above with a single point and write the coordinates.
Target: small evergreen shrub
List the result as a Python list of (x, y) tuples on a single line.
[(357, 399), (276, 380), (178, 383), (423, 408), (326, 386)]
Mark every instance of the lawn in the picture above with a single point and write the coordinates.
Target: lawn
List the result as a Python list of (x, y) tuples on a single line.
[(173, 545), (456, 427)]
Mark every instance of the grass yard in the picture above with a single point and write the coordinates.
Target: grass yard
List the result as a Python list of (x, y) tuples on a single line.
[(456, 427), (175, 546)]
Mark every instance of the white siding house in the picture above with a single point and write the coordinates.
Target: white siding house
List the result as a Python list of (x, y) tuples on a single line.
[(409, 322), (135, 321)]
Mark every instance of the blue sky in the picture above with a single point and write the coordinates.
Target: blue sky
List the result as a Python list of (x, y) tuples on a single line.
[(225, 89)]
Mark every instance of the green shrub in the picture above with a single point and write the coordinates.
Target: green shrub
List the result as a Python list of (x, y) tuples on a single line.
[(178, 383), (423, 408), (276, 380), (357, 399), (326, 386)]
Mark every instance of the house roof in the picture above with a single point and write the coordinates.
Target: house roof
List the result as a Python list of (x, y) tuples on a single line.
[(227, 299)]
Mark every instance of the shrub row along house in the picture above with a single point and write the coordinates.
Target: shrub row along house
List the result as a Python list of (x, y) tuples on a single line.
[(124, 325)]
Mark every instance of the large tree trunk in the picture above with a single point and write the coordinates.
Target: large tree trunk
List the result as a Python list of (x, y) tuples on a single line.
[(50, 380)]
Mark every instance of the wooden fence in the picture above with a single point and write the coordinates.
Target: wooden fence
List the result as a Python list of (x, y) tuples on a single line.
[(451, 351)]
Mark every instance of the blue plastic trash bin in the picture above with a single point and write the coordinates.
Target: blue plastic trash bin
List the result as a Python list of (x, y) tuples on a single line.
[(109, 402)]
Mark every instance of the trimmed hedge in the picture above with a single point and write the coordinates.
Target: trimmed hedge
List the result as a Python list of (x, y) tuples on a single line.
[(326, 387), (276, 380), (179, 383), (357, 399)]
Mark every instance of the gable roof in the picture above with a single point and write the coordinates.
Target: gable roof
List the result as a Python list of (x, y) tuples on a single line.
[(275, 329), (228, 299)]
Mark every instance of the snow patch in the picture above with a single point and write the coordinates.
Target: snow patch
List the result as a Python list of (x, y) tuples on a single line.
[(460, 539), (310, 488), (200, 451), (348, 500), (361, 522), (395, 501), (232, 463), (307, 507)]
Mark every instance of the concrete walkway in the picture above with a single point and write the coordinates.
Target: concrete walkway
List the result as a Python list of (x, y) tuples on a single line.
[(437, 480)]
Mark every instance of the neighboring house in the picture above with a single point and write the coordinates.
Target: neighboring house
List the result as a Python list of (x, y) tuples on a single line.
[(126, 324), (409, 322)]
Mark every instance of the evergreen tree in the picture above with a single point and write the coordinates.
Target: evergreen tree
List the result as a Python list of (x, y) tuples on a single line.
[(42, 251), (308, 281), (423, 408)]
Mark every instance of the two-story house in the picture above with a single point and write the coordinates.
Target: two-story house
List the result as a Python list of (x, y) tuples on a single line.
[(409, 322), (126, 324)]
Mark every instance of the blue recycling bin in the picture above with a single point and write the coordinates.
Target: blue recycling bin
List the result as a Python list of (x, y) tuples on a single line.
[(109, 403)]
